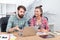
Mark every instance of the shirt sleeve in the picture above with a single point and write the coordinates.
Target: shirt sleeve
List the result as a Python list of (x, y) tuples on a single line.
[(32, 22), (26, 23), (9, 25), (46, 23)]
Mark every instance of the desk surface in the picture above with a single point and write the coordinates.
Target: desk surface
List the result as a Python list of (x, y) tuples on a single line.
[(34, 37)]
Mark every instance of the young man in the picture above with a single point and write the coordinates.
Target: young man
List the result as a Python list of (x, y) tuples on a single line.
[(17, 22)]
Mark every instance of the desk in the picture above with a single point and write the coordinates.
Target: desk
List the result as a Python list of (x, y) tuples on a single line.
[(34, 37)]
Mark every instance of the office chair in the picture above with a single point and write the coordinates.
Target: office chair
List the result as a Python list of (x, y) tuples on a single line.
[(4, 21)]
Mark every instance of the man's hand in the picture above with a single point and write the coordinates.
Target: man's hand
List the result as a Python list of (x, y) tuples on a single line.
[(16, 28), (11, 30)]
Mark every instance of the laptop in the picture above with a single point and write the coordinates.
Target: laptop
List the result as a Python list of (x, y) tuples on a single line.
[(28, 31)]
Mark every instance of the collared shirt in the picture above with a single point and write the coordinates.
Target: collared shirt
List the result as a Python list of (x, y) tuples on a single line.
[(15, 21), (44, 23)]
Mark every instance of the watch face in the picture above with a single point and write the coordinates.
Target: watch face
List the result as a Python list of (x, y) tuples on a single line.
[(20, 27)]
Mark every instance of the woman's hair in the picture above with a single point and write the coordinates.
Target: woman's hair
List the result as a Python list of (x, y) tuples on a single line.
[(39, 7)]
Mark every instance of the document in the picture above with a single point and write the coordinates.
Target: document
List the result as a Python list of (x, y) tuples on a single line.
[(4, 37), (7, 37)]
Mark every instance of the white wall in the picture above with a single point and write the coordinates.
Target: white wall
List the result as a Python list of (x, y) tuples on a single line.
[(10, 7), (26, 3), (18, 2), (8, 1), (53, 6)]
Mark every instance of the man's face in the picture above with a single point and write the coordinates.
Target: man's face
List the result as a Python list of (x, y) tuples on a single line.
[(21, 12)]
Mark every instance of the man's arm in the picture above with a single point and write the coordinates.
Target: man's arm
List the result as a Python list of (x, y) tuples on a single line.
[(9, 25)]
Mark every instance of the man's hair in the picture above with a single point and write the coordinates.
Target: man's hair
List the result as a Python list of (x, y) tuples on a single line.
[(21, 6)]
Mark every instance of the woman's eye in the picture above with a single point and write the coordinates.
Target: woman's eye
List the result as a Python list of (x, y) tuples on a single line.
[(36, 11)]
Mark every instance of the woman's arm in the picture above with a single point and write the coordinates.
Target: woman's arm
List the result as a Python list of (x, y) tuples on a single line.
[(31, 22), (46, 24)]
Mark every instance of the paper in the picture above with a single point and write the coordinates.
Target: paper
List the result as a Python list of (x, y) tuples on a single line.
[(57, 33), (4, 37), (12, 37), (7, 37), (41, 33)]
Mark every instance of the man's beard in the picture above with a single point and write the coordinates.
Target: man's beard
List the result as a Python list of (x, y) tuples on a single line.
[(21, 16)]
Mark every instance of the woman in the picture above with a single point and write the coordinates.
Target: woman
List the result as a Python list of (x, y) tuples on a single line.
[(38, 21)]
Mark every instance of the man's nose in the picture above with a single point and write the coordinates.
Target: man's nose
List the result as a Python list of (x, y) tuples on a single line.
[(21, 12)]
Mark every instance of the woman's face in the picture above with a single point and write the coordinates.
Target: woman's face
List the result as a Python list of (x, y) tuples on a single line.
[(37, 12)]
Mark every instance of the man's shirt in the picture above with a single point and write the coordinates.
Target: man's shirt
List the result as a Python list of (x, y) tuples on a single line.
[(15, 21)]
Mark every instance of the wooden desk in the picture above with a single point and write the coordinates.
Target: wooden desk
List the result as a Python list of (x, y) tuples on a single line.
[(34, 37)]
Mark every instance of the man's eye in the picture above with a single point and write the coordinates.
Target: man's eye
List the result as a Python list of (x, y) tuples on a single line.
[(21, 11)]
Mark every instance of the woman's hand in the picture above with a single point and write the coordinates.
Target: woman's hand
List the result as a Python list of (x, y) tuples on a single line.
[(42, 30), (39, 30)]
